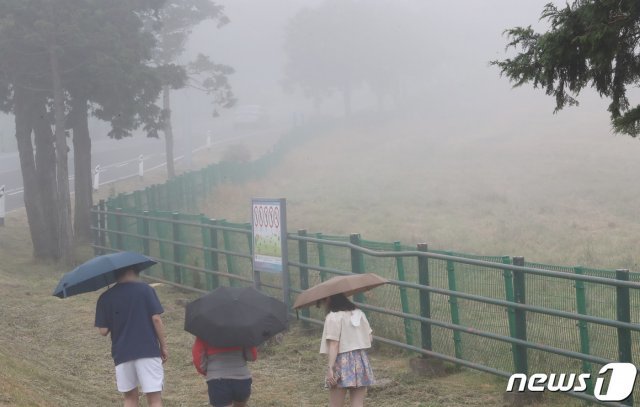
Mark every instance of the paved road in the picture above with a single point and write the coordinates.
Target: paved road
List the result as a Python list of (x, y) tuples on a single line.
[(118, 160)]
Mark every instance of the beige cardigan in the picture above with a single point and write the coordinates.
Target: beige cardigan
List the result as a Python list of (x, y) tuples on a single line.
[(350, 328)]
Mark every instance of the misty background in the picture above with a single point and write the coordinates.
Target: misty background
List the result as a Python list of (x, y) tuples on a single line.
[(457, 39), (504, 141)]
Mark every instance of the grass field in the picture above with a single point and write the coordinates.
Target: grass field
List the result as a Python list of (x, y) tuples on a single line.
[(550, 198), (555, 194), (52, 356)]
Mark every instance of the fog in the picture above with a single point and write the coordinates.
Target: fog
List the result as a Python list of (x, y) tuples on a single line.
[(457, 39), (430, 84)]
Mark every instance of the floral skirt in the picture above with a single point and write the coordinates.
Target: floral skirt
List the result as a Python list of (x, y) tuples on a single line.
[(353, 369)]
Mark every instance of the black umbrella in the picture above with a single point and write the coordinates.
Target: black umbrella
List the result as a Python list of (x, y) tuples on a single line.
[(234, 316)]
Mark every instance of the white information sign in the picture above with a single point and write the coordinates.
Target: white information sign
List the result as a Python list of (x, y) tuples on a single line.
[(269, 234)]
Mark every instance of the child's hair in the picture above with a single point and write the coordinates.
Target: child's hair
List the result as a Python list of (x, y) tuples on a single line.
[(122, 272), (339, 302)]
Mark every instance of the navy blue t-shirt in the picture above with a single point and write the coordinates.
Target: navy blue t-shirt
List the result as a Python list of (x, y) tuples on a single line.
[(126, 309)]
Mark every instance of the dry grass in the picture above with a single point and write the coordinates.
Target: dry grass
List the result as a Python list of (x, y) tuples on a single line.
[(475, 194), (559, 195), (52, 356)]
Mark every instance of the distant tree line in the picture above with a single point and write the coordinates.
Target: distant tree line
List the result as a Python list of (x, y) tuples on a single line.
[(63, 61), (341, 46)]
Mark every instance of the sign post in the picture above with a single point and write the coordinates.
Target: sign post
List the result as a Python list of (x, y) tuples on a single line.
[(141, 166), (269, 220), (2, 205)]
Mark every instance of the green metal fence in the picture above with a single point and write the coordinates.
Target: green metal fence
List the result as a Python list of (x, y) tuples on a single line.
[(187, 191), (492, 313)]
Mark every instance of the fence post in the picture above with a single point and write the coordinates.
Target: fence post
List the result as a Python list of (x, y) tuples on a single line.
[(147, 197), (102, 224), (96, 229), (357, 262), (322, 261), (145, 231), (425, 297), (426, 365), (520, 318), (213, 282), (120, 228), (157, 197), (623, 314), (520, 332), (303, 256), (508, 294), (120, 200), (453, 304), (229, 258), (581, 307), (404, 299), (257, 277), (170, 194), (194, 197), (137, 199), (206, 243), (177, 249)]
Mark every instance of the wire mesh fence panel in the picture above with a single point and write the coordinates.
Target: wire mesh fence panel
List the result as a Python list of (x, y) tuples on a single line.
[(111, 225), (487, 318), (634, 295), (168, 240), (485, 282), (550, 292), (410, 266), (561, 333), (337, 258), (557, 294), (154, 245), (386, 296), (192, 256), (237, 242), (161, 227), (130, 226), (601, 302)]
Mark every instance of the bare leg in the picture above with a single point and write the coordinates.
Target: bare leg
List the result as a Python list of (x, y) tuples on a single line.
[(131, 398), (154, 399), (240, 403), (357, 396), (336, 396)]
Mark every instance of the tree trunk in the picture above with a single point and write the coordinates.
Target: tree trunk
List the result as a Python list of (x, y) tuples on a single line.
[(168, 130), (65, 232), (82, 165), (42, 248), (46, 169)]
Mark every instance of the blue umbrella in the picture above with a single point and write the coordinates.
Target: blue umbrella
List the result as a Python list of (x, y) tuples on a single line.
[(99, 272)]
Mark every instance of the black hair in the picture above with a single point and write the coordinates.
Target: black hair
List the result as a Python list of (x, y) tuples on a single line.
[(122, 272), (339, 302)]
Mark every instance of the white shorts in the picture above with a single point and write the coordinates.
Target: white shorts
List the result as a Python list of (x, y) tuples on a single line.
[(146, 373)]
